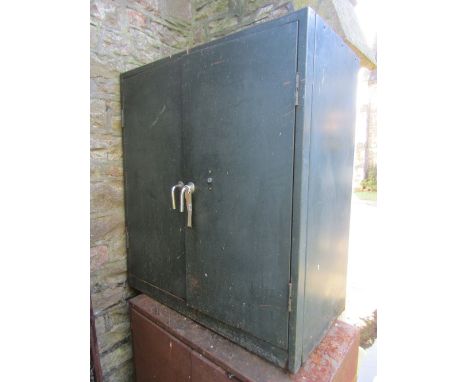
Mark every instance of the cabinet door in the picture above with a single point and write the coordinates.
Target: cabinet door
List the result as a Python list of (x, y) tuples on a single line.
[(153, 156), (238, 143)]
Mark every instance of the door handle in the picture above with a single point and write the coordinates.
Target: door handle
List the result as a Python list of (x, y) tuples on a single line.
[(178, 185), (187, 191)]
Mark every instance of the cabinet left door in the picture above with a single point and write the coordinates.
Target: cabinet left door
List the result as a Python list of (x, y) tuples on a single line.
[(152, 139)]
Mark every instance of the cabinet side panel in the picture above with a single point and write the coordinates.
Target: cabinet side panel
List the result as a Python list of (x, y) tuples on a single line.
[(305, 62), (330, 183)]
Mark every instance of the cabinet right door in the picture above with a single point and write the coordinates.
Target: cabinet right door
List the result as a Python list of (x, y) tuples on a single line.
[(238, 149)]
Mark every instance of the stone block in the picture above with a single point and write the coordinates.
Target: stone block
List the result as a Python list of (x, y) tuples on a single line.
[(116, 125), (97, 106), (147, 5), (100, 69), (106, 298), (97, 122), (222, 26), (117, 247), (136, 18), (123, 373), (208, 9), (180, 9), (109, 276), (118, 356), (106, 146), (99, 256), (117, 316), (106, 169), (113, 338), (105, 83), (257, 5), (107, 195), (264, 11), (103, 11), (103, 227), (113, 108), (94, 38)]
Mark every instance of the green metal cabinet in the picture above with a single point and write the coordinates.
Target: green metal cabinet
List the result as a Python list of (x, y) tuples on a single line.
[(261, 122)]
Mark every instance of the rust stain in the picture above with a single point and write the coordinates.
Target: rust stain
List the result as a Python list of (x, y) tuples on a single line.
[(194, 283), (335, 359)]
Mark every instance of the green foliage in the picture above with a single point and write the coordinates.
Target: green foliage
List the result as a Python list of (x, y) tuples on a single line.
[(370, 182), (369, 331)]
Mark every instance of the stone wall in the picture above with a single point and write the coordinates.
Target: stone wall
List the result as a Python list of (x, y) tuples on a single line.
[(216, 18), (124, 35)]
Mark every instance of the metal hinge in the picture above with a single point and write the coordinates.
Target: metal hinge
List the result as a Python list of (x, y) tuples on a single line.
[(289, 297), (126, 238), (122, 117), (297, 90)]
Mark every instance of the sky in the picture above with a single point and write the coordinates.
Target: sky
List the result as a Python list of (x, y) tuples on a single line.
[(366, 12)]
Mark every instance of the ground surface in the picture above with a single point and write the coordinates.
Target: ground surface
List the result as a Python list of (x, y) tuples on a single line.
[(366, 195), (361, 299)]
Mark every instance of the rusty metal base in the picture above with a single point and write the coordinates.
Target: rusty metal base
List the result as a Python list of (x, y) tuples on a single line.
[(170, 347)]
